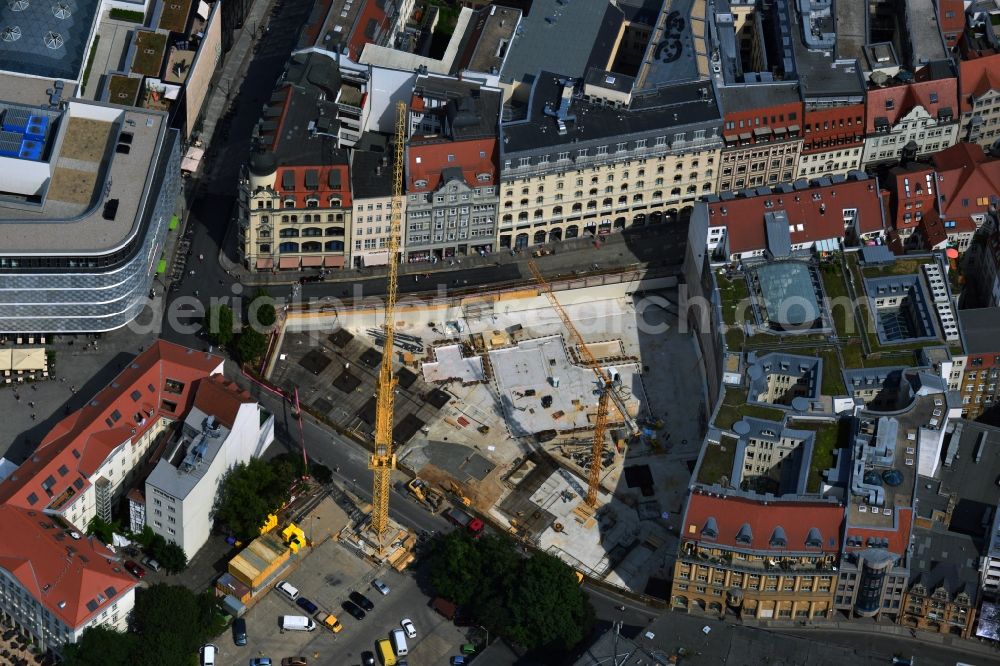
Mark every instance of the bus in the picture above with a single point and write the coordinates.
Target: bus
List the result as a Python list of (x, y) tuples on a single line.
[(386, 653)]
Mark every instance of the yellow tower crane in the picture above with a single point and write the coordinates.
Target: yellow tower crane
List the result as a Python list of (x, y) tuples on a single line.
[(607, 386), (383, 460)]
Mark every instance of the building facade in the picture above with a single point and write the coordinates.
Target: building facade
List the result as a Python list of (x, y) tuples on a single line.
[(911, 118), (833, 139), (980, 381), (451, 176), (223, 428), (79, 254), (941, 601), (762, 131), (371, 187), (980, 100), (592, 158)]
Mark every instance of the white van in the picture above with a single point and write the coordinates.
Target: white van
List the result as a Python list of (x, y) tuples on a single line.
[(297, 623), (399, 642), (287, 589), (208, 655)]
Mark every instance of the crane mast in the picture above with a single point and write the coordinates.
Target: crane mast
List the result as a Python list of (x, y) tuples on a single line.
[(607, 388), (383, 460)]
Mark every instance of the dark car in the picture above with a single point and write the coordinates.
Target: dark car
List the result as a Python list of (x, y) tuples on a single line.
[(361, 600), (134, 569), (367, 658), (240, 631), (353, 610), (306, 605)]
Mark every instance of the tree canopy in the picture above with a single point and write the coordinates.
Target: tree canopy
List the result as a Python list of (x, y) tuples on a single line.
[(168, 625), (249, 492), (219, 322), (535, 602), (262, 309), (251, 345)]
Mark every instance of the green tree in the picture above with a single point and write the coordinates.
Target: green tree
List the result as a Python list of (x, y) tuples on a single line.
[(249, 492), (219, 323), (172, 557), (101, 529), (320, 472), (262, 309), (101, 646), (548, 608), (172, 623), (455, 567), (251, 345)]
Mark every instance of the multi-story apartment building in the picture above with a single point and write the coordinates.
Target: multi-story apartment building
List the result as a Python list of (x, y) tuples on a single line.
[(776, 222), (223, 428), (595, 156), (294, 207), (762, 130), (980, 100), (943, 598), (87, 193), (917, 114), (372, 163), (982, 370), (451, 175), (760, 557), (54, 583)]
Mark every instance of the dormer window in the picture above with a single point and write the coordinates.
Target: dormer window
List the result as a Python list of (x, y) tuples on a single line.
[(890, 104), (289, 203), (710, 530), (420, 183), (778, 538), (814, 539), (745, 535)]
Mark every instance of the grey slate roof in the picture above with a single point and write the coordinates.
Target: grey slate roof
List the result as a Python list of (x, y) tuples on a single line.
[(982, 330)]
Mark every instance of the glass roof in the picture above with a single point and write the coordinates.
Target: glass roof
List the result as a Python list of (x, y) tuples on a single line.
[(46, 38), (788, 293)]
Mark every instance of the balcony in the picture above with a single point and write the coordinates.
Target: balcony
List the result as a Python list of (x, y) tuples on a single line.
[(772, 566)]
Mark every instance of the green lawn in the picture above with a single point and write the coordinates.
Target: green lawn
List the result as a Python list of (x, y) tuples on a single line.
[(733, 295), (898, 267), (829, 437), (149, 50), (717, 461), (734, 407), (833, 382), (838, 299)]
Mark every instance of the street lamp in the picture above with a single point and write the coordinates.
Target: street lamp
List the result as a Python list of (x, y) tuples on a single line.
[(487, 636)]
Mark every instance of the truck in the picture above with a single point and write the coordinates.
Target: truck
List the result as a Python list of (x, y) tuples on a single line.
[(463, 519), (386, 654), (329, 621)]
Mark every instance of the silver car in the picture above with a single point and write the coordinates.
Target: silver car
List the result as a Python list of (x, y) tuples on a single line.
[(381, 587)]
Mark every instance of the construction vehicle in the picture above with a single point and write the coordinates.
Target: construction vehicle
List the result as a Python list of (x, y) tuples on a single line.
[(329, 621), (607, 383), (472, 524), (383, 460), (425, 494), (456, 490)]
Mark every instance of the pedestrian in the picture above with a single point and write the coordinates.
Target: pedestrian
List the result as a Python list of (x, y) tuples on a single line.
[(32, 417), (34, 388), (17, 397), (31, 403)]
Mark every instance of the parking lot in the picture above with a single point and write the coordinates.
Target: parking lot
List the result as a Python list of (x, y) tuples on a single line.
[(326, 578)]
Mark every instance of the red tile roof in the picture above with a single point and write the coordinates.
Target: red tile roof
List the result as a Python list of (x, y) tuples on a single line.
[(951, 17), (63, 573), (323, 192), (899, 537), (822, 218), (221, 398), (906, 97), (370, 21), (967, 178), (474, 157), (81, 441), (978, 76), (732, 515)]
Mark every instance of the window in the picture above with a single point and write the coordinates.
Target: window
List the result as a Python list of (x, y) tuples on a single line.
[(173, 386)]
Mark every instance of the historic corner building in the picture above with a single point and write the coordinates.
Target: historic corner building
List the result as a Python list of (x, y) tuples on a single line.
[(87, 192)]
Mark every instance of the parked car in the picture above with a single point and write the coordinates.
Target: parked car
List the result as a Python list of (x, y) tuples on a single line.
[(381, 587), (407, 625), (240, 631), (294, 661), (151, 564), (134, 569), (353, 610), (361, 600), (306, 605), (458, 660), (208, 653), (367, 658), (260, 661)]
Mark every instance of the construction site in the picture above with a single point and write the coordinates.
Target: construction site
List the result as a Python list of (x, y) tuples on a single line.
[(495, 407), (566, 413)]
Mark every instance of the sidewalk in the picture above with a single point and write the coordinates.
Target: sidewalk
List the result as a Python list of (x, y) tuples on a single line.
[(865, 627)]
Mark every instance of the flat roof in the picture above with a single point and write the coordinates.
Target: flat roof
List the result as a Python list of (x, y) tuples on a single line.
[(670, 109), (369, 177), (676, 50), (494, 39), (53, 37), (926, 44), (818, 72), (562, 37), (150, 48), (851, 21), (174, 15), (179, 472), (981, 326), (86, 171)]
